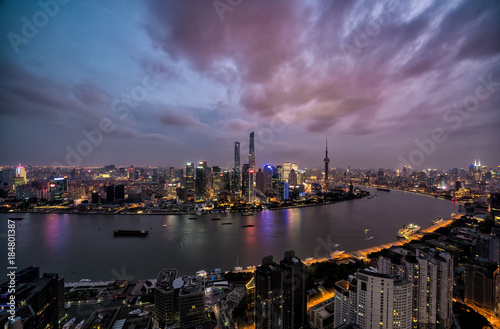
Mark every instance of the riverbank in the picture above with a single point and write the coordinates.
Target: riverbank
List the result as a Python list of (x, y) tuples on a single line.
[(362, 254), (58, 210)]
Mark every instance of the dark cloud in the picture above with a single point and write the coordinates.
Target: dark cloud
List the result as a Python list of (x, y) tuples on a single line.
[(177, 118), (376, 70)]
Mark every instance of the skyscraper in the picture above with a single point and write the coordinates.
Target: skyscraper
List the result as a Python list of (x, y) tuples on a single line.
[(294, 291), (430, 272), (327, 161), (201, 180), (287, 166), (280, 293), (237, 156), (247, 179), (192, 300), (164, 297), (251, 151), (190, 180), (383, 301)]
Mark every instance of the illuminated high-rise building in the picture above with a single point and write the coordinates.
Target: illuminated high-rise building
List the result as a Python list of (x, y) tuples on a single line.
[(247, 182), (237, 164), (292, 178), (216, 179), (383, 301), (192, 300), (201, 180), (58, 189), (326, 161), (477, 171), (251, 151), (20, 178), (279, 172), (190, 180), (164, 298), (287, 166)]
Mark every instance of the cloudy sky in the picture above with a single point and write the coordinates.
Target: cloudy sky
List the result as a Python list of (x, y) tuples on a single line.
[(168, 82)]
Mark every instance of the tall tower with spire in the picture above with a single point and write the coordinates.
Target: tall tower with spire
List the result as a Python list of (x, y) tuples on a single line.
[(326, 160), (251, 153)]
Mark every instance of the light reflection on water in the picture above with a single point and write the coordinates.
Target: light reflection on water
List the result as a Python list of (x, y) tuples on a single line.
[(83, 246)]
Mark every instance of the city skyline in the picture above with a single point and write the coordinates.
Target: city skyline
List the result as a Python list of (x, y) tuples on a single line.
[(165, 83)]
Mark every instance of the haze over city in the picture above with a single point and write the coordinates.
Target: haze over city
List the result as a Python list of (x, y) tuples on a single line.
[(166, 82)]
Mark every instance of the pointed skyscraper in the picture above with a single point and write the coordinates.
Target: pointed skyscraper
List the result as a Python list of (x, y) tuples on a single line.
[(251, 151), (326, 160)]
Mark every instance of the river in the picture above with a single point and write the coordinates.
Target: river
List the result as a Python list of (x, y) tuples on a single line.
[(82, 245)]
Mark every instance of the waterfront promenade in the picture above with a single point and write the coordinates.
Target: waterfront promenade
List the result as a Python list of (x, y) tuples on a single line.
[(363, 253)]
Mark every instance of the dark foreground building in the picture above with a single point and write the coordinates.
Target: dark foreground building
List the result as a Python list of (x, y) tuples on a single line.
[(280, 293), (39, 300)]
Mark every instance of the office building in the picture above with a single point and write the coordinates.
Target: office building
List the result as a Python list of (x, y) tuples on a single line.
[(287, 166), (189, 181), (119, 193), (216, 180), (58, 188), (251, 151), (292, 178), (247, 182), (164, 298), (110, 194), (20, 176), (192, 300), (201, 181)]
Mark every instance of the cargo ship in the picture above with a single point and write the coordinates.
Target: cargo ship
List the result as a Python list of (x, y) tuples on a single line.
[(408, 230), (250, 225), (130, 232), (383, 189)]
